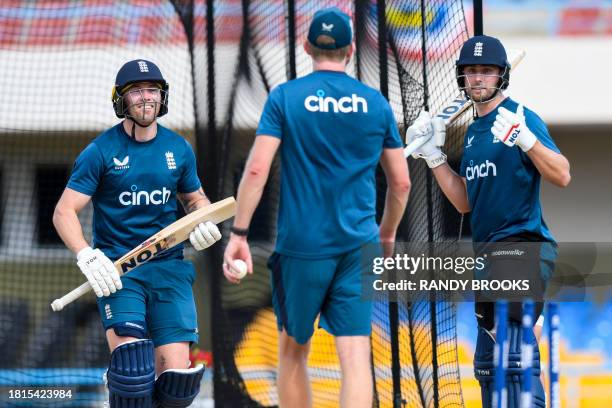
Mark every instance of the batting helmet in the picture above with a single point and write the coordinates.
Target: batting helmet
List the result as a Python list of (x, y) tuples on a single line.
[(483, 50), (138, 71)]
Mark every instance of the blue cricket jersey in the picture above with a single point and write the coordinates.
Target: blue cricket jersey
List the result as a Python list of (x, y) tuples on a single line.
[(503, 184), (133, 186), (333, 130)]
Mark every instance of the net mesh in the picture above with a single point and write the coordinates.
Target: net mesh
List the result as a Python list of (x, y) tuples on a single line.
[(221, 59)]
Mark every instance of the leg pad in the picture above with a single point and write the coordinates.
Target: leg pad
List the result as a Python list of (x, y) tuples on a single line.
[(177, 388), (131, 375)]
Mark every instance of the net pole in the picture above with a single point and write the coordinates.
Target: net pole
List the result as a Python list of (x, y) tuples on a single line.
[(478, 19), (430, 231), (204, 143), (383, 74), (359, 30), (393, 306), (291, 40), (360, 16), (207, 146)]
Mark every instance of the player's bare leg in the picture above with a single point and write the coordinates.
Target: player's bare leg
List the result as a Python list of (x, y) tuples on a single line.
[(173, 355), (354, 355), (114, 340), (293, 383)]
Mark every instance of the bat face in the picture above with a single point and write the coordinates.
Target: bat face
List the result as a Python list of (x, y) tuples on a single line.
[(173, 234), (452, 109), (146, 251)]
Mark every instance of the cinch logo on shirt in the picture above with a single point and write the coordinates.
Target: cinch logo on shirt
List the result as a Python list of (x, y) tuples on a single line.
[(134, 197), (480, 170), (346, 104)]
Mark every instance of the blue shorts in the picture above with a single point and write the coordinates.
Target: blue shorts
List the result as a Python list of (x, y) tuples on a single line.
[(158, 297), (303, 289)]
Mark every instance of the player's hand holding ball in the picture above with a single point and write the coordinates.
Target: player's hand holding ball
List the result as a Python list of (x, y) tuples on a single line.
[(511, 129), (239, 268), (434, 131), (235, 270), (237, 261), (204, 235), (99, 271)]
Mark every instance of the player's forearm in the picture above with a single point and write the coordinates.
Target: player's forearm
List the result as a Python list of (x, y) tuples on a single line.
[(553, 166), (395, 205), (453, 187), (249, 194), (69, 228), (194, 201)]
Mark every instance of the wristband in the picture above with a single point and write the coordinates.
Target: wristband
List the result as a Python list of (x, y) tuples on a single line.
[(242, 232)]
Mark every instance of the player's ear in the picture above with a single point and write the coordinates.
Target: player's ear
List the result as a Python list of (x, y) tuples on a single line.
[(307, 48), (350, 52)]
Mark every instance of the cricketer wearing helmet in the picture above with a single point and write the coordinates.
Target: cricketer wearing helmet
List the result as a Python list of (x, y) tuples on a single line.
[(135, 173), (506, 152), (332, 131)]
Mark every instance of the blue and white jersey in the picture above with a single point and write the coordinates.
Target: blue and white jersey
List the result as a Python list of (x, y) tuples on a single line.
[(333, 130), (503, 184), (133, 186)]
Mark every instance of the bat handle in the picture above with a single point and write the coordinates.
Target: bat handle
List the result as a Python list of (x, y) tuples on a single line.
[(58, 304), (415, 144)]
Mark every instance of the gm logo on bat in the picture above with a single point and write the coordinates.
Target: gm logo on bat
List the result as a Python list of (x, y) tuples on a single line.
[(141, 257)]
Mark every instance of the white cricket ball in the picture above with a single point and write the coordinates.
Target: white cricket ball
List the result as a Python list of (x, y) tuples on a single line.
[(240, 268)]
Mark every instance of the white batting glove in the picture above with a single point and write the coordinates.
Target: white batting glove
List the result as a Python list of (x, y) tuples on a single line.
[(99, 271), (511, 129), (434, 130), (204, 235)]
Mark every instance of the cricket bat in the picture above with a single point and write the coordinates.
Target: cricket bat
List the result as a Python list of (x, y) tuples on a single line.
[(165, 239), (457, 106)]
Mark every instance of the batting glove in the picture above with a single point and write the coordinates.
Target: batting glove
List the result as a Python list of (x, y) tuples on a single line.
[(99, 271), (511, 129), (204, 235), (434, 130)]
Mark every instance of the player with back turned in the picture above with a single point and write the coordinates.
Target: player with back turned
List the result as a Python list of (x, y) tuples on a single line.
[(506, 152), (134, 174), (332, 131)]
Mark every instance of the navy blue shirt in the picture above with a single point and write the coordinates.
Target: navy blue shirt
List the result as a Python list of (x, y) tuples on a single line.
[(133, 186), (333, 130), (503, 184)]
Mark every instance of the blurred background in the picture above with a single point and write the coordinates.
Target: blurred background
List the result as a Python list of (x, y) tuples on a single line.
[(58, 63)]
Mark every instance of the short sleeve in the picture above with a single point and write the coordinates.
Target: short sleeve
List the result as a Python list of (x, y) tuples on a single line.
[(271, 121), (87, 171), (392, 136), (539, 129), (189, 181)]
